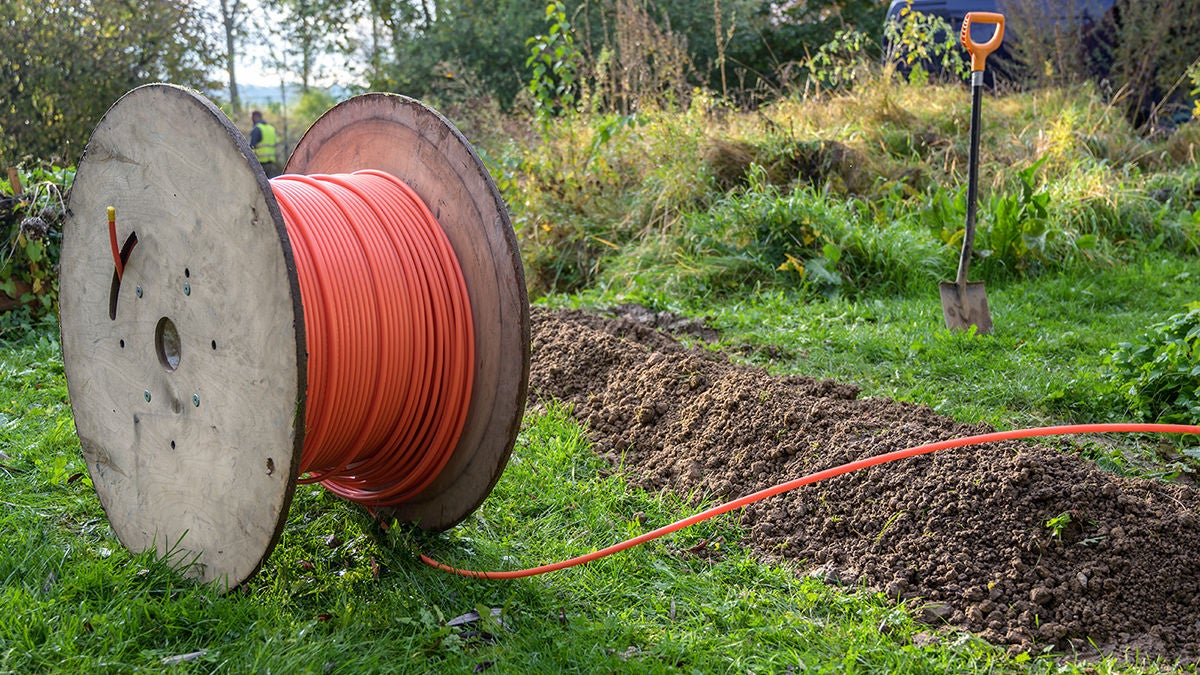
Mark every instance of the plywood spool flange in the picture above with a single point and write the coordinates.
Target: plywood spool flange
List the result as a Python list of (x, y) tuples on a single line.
[(187, 378)]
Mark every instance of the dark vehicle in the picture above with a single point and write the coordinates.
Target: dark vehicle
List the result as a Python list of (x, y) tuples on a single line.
[(1091, 22), (1058, 12)]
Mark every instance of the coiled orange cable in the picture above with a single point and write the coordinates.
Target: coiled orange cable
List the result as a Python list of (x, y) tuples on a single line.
[(391, 344), (814, 478)]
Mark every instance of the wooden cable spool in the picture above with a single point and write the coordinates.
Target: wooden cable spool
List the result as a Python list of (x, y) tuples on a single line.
[(187, 372)]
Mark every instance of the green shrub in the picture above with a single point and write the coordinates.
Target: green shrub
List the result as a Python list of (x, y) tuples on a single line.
[(1012, 229), (553, 65), (842, 62), (806, 239), (1158, 375), (31, 227), (923, 43)]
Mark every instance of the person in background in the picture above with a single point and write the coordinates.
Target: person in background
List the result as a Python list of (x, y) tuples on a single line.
[(262, 140)]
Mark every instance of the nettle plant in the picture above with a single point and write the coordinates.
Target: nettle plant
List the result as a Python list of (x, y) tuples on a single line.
[(1158, 374)]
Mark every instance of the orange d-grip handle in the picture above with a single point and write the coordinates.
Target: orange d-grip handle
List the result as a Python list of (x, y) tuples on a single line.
[(980, 52)]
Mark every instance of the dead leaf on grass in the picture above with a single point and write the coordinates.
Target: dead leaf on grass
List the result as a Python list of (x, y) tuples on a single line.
[(472, 616), (183, 658)]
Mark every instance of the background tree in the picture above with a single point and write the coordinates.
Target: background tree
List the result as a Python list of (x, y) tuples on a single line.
[(395, 28), (752, 41), (309, 29), (486, 37), (67, 62), (231, 24)]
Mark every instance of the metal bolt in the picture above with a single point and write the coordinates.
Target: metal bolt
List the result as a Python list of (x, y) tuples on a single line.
[(147, 395), (139, 291), (187, 288), (196, 400)]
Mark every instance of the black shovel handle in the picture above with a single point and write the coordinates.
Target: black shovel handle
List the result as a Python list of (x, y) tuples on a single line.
[(964, 258)]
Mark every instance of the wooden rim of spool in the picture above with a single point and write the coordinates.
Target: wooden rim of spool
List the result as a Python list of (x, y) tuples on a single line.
[(187, 379)]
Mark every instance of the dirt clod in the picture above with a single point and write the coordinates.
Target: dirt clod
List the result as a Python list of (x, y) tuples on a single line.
[(963, 533)]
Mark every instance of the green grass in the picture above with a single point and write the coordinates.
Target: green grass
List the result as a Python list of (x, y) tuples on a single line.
[(76, 601), (1041, 363)]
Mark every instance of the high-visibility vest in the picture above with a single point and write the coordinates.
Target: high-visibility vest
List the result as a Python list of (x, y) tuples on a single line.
[(265, 150)]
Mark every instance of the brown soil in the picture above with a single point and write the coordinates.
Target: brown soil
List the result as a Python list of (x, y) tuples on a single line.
[(961, 534)]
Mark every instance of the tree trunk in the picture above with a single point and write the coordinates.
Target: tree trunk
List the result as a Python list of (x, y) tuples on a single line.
[(229, 12), (428, 10)]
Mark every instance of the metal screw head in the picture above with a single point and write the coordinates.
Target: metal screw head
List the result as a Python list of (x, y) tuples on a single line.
[(187, 288), (139, 291), (196, 400), (147, 395)]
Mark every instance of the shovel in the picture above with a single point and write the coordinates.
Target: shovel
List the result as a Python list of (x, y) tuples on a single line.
[(964, 304)]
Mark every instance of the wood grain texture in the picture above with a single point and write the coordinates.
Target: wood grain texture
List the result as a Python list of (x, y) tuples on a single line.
[(414, 143), (198, 462)]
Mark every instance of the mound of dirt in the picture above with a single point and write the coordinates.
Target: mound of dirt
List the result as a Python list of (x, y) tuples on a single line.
[(815, 162), (962, 534)]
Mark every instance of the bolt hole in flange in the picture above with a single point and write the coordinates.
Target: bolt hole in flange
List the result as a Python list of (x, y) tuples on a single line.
[(166, 344)]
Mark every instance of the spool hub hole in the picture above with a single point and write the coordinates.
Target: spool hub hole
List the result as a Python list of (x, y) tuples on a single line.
[(166, 344)]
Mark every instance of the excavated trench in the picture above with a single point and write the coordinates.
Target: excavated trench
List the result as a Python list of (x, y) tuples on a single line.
[(961, 535)]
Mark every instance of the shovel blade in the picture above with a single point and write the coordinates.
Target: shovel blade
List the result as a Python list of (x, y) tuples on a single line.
[(966, 306)]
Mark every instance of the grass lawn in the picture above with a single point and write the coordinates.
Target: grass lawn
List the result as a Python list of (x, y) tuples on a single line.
[(78, 601)]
